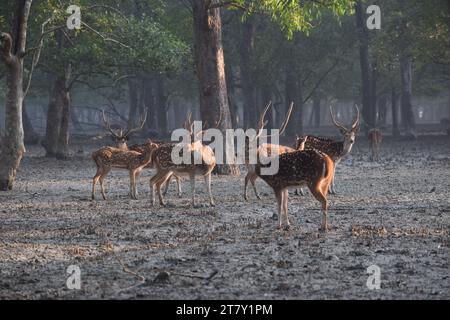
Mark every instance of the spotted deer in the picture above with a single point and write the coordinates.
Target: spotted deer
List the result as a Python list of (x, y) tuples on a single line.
[(165, 166), (375, 137), (312, 168), (121, 136), (108, 158), (336, 150), (141, 148), (266, 149)]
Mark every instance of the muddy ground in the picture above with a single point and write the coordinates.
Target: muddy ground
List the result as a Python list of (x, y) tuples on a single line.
[(394, 214)]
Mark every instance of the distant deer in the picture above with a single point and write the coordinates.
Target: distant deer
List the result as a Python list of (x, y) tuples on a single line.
[(266, 149), (165, 167), (308, 167), (108, 158), (121, 136), (336, 150), (375, 137)]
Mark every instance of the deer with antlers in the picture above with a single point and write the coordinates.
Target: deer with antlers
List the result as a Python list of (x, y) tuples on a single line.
[(336, 150), (165, 165), (108, 158), (266, 149), (312, 168), (121, 136), (375, 136)]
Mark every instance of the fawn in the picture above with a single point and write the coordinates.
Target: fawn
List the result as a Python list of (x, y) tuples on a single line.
[(266, 149), (108, 158), (312, 168), (375, 137), (165, 167), (336, 150)]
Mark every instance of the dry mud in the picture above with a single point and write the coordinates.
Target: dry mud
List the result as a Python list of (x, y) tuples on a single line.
[(394, 214)]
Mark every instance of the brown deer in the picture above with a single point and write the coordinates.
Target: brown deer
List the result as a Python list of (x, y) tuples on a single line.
[(141, 147), (312, 168), (165, 166), (336, 150), (121, 136), (108, 158), (266, 149), (375, 138)]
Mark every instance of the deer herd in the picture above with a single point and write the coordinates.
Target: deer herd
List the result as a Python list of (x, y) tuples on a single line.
[(310, 163)]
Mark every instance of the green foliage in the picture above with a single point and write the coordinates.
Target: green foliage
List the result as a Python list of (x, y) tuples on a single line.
[(294, 15)]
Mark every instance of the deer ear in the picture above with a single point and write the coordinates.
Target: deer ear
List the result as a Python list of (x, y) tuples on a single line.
[(343, 131)]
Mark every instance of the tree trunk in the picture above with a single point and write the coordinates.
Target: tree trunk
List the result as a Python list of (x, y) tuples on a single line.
[(316, 109), (11, 48), (247, 46), (408, 120), (366, 78), (231, 94), (382, 110), (293, 93), (299, 108), (149, 105), (210, 68), (395, 129), (13, 142), (31, 137), (162, 106), (62, 149), (54, 114), (133, 101)]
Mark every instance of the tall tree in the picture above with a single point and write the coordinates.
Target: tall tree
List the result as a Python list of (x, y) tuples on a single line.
[(210, 68), (12, 53)]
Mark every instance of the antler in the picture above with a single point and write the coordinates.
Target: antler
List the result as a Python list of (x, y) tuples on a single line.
[(356, 123), (286, 119), (130, 131), (108, 125), (261, 123), (334, 120), (284, 123)]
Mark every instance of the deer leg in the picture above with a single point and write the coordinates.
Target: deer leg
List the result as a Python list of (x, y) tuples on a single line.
[(132, 184), (136, 179), (192, 178), (285, 219), (158, 188), (332, 189), (252, 180), (167, 185), (94, 182), (319, 194), (153, 180), (102, 178), (247, 178), (278, 195), (178, 185), (208, 186)]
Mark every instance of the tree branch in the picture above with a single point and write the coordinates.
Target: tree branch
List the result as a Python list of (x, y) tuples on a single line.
[(36, 56), (227, 4), (104, 37)]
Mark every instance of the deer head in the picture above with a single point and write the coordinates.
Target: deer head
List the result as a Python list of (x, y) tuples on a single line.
[(349, 134), (121, 136)]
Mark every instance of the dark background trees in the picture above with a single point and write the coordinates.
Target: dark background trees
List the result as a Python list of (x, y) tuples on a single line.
[(220, 60)]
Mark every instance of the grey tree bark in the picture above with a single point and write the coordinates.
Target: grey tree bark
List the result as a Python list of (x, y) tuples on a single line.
[(210, 69), (12, 48)]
